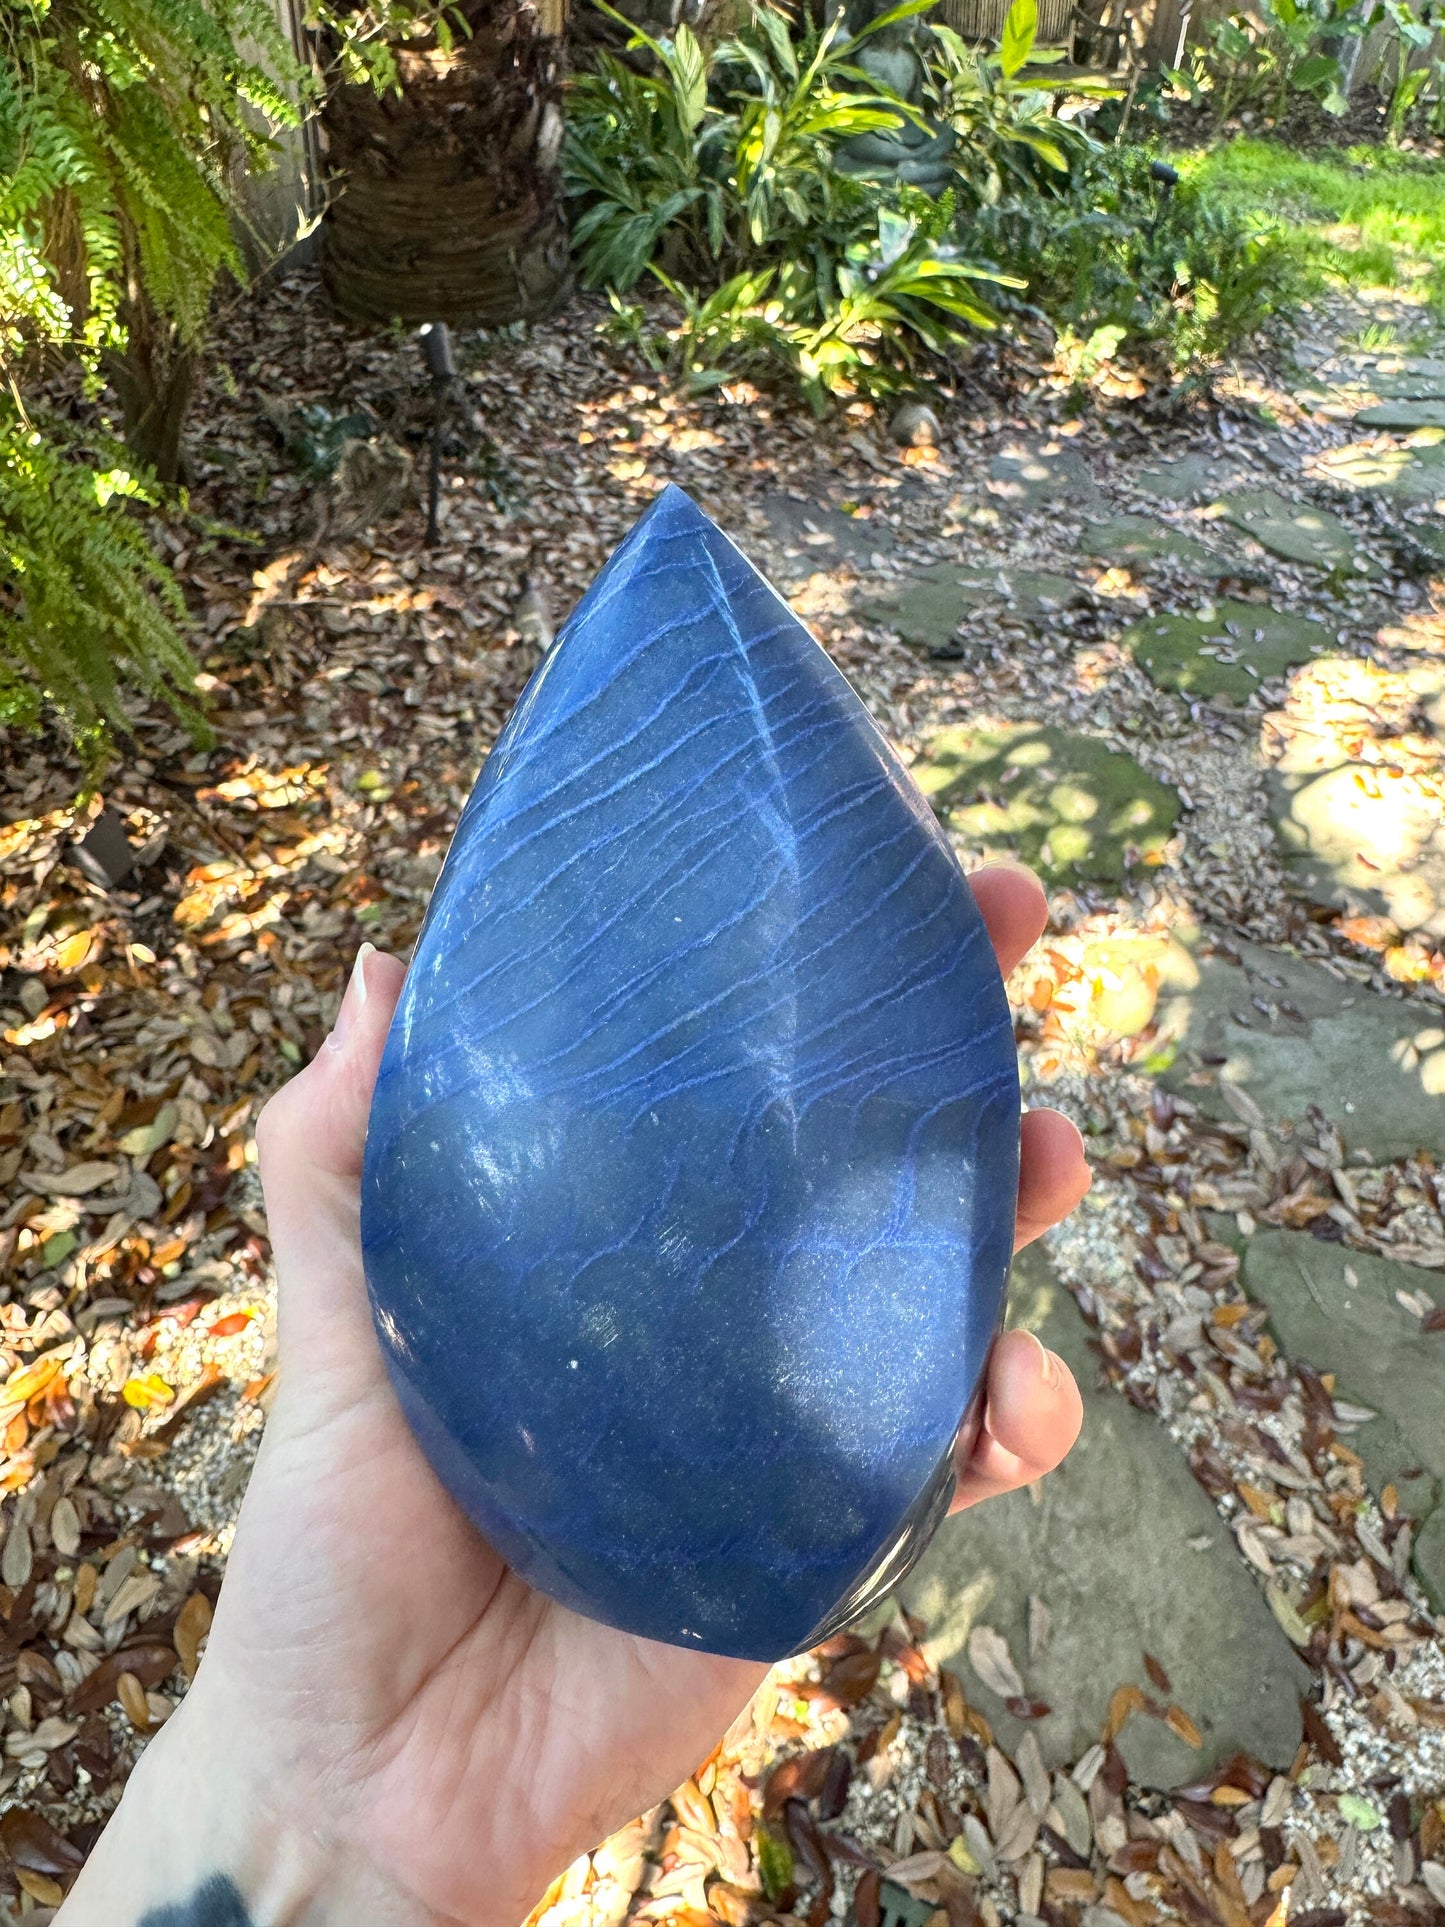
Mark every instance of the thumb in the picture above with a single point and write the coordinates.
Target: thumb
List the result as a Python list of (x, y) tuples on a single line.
[(317, 1122), (309, 1144)]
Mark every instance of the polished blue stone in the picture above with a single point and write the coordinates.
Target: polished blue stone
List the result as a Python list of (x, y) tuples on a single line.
[(690, 1179)]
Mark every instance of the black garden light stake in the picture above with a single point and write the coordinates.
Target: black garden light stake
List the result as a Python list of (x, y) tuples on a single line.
[(1167, 178), (436, 347)]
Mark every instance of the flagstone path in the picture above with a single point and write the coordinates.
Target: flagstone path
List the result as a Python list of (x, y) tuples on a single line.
[(1122, 1555), (1259, 620)]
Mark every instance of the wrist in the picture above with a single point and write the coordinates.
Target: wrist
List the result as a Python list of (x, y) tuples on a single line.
[(198, 1842)]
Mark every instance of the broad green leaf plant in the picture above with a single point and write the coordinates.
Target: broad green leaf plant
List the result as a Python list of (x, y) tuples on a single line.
[(1261, 56), (1008, 134), (1413, 64), (722, 174)]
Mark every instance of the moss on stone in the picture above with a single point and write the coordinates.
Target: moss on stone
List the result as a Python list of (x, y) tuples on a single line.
[(1066, 803)]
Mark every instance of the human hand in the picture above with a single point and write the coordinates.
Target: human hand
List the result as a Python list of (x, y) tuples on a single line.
[(389, 1725)]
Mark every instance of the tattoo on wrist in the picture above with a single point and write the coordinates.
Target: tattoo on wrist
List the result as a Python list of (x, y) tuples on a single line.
[(215, 1903)]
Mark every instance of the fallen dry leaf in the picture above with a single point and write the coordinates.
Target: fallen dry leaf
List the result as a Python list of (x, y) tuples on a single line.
[(131, 1694), (193, 1622), (990, 1658)]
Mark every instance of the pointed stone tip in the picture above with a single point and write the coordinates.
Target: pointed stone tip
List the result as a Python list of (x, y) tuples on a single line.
[(677, 506)]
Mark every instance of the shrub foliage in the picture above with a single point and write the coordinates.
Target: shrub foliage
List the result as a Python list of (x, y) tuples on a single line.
[(1123, 259)]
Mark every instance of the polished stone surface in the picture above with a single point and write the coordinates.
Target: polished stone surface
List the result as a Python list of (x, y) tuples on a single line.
[(690, 1178)]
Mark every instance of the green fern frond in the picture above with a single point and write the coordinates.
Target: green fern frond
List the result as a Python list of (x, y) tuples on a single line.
[(86, 607), (123, 126)]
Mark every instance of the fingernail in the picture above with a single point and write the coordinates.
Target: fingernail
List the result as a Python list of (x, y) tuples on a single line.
[(1037, 1344), (1053, 1369), (352, 1002)]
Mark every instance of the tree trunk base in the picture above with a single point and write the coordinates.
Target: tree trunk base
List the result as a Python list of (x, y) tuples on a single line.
[(448, 197), (154, 379)]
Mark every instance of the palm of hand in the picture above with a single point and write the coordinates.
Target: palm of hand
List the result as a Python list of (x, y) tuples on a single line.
[(458, 1727), (435, 1719)]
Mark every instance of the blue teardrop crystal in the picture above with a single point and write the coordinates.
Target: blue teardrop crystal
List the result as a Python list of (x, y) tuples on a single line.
[(691, 1171)]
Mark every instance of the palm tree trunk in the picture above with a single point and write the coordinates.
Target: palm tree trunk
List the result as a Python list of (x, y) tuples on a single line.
[(448, 202)]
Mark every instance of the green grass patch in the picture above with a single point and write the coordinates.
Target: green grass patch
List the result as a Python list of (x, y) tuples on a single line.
[(1368, 216)]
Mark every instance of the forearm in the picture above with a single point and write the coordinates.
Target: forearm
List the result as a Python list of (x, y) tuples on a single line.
[(194, 1844)]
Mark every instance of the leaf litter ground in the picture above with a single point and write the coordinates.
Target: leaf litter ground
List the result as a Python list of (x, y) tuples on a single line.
[(357, 681)]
